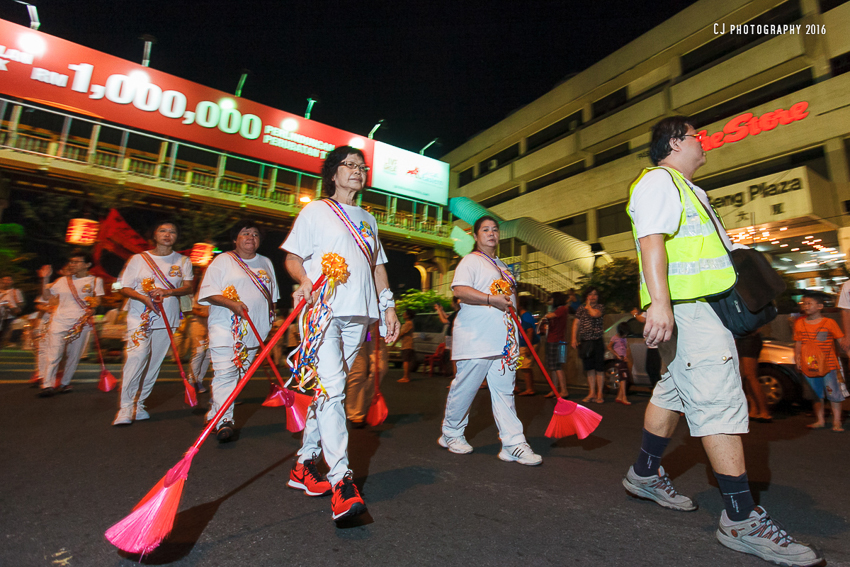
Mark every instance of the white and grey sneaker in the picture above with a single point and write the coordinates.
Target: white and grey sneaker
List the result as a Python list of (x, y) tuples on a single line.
[(124, 416), (520, 453), (455, 444), (659, 489), (141, 412), (763, 537)]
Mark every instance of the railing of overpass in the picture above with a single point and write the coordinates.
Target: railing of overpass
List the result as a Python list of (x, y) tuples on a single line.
[(54, 134)]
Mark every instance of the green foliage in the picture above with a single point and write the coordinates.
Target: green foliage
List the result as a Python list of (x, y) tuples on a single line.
[(421, 301), (617, 283), (203, 224), (12, 256)]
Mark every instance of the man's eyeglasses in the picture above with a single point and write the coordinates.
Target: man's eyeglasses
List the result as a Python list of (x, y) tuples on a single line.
[(352, 165), (699, 137)]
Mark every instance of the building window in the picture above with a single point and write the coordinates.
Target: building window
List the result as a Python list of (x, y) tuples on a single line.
[(554, 132), (495, 162), (827, 5), (574, 226), (611, 154), (813, 158), (466, 176), (500, 198), (554, 177), (613, 220), (840, 64), (610, 103), (741, 104), (728, 43)]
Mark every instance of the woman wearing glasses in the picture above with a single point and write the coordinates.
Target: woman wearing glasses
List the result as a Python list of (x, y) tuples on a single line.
[(336, 224)]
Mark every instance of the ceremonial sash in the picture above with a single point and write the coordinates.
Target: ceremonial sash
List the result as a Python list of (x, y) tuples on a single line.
[(364, 246), (258, 283), (506, 275), (76, 295), (156, 271)]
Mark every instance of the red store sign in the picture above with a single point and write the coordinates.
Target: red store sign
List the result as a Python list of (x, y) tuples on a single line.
[(47, 70), (750, 125)]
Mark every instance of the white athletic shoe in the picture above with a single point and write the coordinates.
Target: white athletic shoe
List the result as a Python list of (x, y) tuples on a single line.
[(455, 444), (763, 537), (521, 453), (141, 413), (124, 417)]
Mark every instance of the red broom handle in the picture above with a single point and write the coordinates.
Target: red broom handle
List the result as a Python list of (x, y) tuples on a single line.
[(377, 360), (97, 343), (262, 346), (253, 368), (531, 348), (173, 345)]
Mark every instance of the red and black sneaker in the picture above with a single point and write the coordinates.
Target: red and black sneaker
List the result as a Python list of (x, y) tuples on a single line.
[(346, 502), (305, 476)]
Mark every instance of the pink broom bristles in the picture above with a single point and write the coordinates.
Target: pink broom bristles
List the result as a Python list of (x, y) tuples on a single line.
[(107, 381), (569, 418), (276, 397), (152, 519), (297, 406)]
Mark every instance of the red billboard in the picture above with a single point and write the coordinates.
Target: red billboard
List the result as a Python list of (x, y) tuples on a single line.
[(47, 70)]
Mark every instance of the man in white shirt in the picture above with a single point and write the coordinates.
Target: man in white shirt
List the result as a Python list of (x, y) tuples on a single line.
[(701, 377)]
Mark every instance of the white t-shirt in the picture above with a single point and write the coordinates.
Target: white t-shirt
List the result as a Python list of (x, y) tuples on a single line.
[(844, 296), (656, 207), (479, 330), (224, 271), (176, 268), (69, 311), (12, 298), (318, 230)]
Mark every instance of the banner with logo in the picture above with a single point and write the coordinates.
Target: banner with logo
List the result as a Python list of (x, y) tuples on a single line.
[(409, 174)]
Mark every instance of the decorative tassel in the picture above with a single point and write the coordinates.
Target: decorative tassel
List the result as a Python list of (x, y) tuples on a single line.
[(297, 406), (571, 418), (276, 397)]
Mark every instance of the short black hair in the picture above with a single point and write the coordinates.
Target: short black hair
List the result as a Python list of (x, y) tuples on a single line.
[(559, 298), (84, 254), (526, 301), (242, 225), (477, 226), (410, 313), (663, 132), (623, 329), (331, 165), (818, 296)]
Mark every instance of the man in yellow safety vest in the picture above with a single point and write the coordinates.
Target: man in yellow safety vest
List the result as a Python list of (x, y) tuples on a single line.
[(683, 258)]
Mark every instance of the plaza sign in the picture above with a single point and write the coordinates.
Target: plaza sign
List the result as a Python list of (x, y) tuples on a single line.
[(750, 125), (47, 70)]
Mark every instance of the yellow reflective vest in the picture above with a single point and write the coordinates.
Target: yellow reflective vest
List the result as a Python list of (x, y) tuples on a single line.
[(698, 264)]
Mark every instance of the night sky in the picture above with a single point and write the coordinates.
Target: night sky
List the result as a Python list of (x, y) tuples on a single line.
[(429, 69)]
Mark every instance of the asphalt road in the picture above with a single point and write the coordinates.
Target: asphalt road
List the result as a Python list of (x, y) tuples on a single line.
[(67, 476)]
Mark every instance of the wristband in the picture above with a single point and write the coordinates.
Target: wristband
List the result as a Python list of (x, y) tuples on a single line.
[(488, 300), (385, 300)]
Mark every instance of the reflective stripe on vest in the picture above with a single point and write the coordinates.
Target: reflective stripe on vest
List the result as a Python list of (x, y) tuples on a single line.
[(698, 264)]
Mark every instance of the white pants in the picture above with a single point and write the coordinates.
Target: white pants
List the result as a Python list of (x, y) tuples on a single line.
[(469, 377), (56, 346), (143, 360), (326, 417), (225, 378), (200, 351)]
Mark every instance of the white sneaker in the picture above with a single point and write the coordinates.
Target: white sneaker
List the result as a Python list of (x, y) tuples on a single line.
[(455, 444), (763, 537), (522, 454), (141, 413), (124, 417)]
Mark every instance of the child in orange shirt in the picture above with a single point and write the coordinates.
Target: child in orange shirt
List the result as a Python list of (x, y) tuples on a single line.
[(816, 357)]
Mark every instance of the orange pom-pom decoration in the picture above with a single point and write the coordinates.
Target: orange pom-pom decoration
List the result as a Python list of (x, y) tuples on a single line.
[(334, 267), (500, 287), (230, 293)]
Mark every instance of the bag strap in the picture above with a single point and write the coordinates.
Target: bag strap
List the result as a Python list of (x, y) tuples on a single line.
[(361, 242), (156, 271), (255, 279)]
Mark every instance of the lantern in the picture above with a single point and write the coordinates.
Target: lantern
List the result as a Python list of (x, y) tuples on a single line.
[(202, 254), (82, 232)]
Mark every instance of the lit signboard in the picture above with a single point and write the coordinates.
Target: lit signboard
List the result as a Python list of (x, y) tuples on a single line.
[(409, 174), (47, 70), (750, 125)]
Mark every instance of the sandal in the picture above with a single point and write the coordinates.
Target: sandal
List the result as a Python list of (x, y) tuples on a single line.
[(550, 395), (816, 425), (527, 393), (837, 428), (587, 399)]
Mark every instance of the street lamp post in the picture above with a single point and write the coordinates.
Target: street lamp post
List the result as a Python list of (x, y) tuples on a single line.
[(149, 41), (35, 23), (375, 128), (310, 103), (428, 145), (245, 73)]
